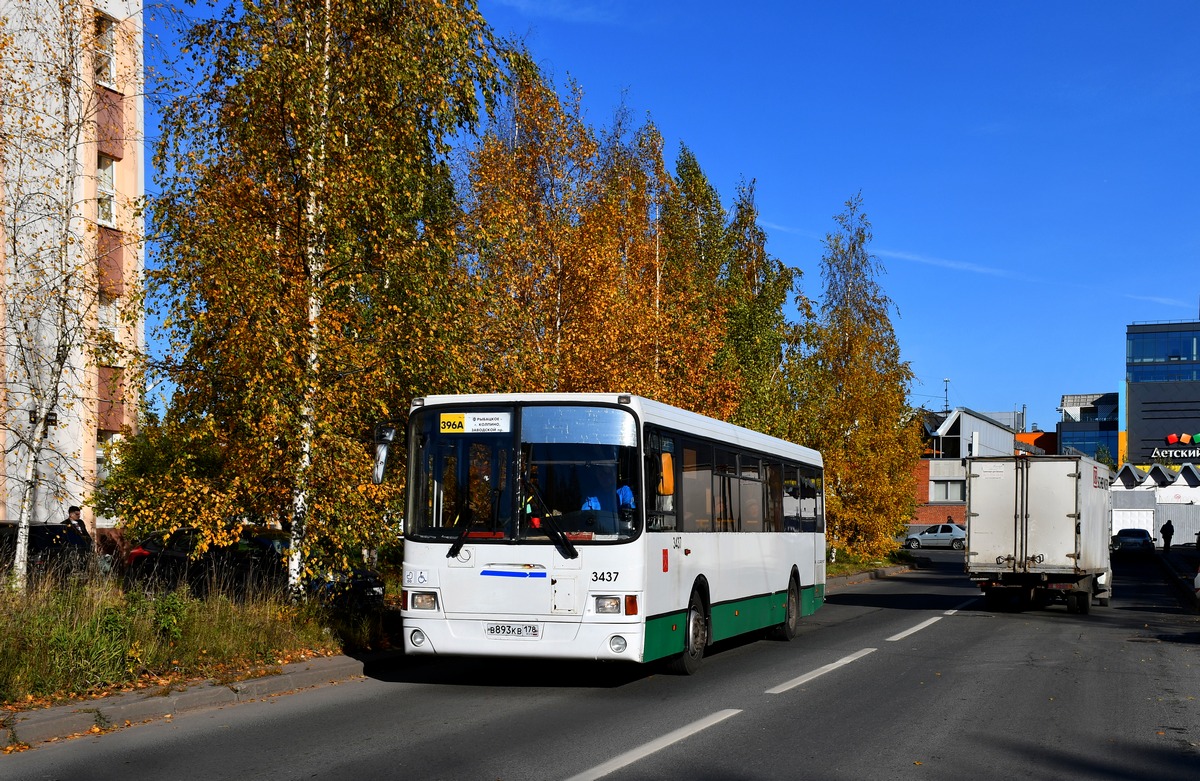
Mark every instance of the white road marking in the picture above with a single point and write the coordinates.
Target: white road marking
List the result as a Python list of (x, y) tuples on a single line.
[(916, 628), (819, 672), (646, 749), (960, 607)]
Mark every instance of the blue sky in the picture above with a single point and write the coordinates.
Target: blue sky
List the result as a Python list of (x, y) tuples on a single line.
[(1031, 169)]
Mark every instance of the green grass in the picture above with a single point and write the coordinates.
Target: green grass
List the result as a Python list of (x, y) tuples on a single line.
[(64, 638), (852, 565)]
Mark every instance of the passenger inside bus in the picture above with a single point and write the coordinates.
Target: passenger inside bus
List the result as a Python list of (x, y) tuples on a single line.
[(605, 493)]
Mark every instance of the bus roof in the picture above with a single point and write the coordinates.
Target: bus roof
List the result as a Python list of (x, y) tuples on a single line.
[(648, 411)]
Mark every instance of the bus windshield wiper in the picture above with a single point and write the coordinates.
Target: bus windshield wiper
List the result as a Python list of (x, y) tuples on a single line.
[(559, 538), (460, 539), (553, 531)]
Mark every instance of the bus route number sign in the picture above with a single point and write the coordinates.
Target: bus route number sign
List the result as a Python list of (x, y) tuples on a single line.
[(476, 422)]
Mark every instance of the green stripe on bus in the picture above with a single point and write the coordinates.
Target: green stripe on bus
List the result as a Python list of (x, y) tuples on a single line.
[(664, 634), (746, 615), (811, 598)]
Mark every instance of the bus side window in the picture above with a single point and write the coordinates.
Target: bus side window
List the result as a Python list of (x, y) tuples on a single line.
[(696, 484), (811, 511), (726, 491), (751, 490), (660, 483), (773, 518), (791, 498)]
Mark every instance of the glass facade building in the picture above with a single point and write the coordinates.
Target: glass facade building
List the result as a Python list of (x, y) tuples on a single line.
[(1163, 356), (1162, 383), (1090, 425)]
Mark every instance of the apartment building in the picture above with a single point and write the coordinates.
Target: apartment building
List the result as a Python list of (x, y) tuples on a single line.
[(71, 170)]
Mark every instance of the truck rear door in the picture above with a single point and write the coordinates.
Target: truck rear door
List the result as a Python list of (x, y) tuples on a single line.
[(993, 522), (1051, 542)]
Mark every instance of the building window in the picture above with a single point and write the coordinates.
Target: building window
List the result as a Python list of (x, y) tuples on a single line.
[(106, 190), (948, 491), (106, 51), (109, 318), (104, 440)]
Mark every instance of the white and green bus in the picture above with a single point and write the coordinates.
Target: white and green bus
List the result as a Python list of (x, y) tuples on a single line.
[(601, 526)]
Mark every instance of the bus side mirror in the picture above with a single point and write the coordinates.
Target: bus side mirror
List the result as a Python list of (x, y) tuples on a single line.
[(385, 435), (666, 475)]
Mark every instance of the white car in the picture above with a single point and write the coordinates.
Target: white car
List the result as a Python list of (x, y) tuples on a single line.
[(941, 535)]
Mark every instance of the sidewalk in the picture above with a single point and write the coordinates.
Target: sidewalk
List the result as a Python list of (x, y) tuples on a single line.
[(138, 707), (1180, 568), (840, 582), (122, 710)]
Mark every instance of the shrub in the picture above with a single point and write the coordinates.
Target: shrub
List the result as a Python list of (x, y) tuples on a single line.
[(68, 638)]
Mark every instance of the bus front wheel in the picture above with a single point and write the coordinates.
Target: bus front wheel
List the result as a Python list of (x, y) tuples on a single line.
[(694, 641)]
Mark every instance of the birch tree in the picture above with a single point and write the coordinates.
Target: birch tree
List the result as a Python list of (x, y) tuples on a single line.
[(849, 388), (57, 321), (307, 249)]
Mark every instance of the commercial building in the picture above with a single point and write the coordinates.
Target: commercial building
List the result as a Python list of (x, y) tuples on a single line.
[(941, 475), (1090, 424), (1162, 392), (71, 190), (1148, 498)]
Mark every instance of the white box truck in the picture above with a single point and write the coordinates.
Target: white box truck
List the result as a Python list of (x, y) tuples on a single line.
[(1038, 530)]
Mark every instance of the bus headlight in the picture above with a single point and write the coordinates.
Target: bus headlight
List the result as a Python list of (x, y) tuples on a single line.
[(608, 604), (617, 644), (424, 600), (417, 638)]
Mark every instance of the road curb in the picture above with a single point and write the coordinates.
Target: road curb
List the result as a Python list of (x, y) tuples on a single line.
[(121, 710), (841, 581)]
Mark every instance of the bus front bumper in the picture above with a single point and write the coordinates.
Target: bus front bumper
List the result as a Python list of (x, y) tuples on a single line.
[(538, 637)]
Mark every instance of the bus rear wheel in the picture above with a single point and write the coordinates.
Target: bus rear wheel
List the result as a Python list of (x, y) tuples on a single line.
[(791, 623), (695, 639)]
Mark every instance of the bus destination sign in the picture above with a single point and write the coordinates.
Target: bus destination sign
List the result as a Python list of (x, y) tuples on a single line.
[(476, 422)]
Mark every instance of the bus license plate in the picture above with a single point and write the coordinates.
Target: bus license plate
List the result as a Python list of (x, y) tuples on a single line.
[(525, 631)]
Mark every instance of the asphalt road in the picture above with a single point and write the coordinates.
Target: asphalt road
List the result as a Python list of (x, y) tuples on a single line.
[(906, 677)]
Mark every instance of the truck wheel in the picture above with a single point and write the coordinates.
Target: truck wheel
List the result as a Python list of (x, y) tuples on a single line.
[(695, 638), (1084, 600)]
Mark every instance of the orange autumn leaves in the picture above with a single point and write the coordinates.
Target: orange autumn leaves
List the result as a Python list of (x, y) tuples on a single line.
[(340, 230), (594, 269)]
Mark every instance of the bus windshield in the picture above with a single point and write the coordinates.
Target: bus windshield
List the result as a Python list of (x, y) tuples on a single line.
[(524, 474)]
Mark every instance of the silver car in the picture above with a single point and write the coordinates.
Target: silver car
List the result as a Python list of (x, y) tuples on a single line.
[(941, 535)]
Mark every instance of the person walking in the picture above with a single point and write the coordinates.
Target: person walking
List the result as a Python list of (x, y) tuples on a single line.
[(1167, 532)]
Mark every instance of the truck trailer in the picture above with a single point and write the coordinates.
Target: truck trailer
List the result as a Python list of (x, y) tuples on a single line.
[(1038, 530)]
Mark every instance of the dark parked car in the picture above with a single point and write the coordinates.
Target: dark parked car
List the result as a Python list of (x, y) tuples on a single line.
[(1132, 541), (255, 563), (53, 549)]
